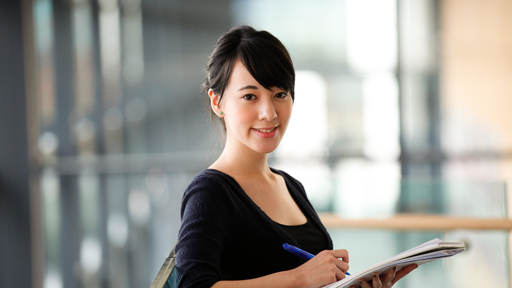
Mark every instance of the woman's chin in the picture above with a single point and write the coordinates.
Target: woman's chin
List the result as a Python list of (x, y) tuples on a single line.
[(267, 149)]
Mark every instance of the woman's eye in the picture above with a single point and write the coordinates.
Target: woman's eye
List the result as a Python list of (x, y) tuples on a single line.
[(281, 95), (249, 97)]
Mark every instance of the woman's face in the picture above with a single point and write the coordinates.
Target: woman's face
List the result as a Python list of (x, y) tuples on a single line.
[(255, 117)]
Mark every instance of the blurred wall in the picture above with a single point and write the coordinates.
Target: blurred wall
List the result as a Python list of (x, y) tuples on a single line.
[(476, 81)]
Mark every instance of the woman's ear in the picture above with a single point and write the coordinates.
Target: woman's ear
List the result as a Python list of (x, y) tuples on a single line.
[(215, 103)]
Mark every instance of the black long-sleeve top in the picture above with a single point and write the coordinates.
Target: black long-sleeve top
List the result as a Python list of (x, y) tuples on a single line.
[(226, 236)]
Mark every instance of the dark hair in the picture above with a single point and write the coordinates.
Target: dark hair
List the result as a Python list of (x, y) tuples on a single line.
[(264, 56)]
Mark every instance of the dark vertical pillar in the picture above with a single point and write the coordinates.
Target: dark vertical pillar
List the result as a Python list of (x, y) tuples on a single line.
[(15, 228), (404, 153), (412, 157), (100, 146), (65, 98), (434, 102)]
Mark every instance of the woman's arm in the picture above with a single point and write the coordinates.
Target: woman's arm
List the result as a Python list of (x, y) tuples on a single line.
[(325, 268)]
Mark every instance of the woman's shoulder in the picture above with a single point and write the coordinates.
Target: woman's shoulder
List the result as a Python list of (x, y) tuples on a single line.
[(207, 191), (211, 177), (210, 181)]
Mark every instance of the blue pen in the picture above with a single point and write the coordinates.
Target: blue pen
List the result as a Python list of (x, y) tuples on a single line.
[(299, 252)]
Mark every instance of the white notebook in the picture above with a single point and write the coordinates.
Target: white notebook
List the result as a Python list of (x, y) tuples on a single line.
[(426, 252)]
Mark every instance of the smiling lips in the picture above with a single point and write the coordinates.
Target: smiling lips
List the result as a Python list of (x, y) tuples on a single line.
[(266, 132)]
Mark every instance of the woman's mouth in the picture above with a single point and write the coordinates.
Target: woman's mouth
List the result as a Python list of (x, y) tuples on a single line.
[(266, 132)]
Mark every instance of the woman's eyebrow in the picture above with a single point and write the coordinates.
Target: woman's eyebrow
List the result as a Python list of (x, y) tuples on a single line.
[(252, 87)]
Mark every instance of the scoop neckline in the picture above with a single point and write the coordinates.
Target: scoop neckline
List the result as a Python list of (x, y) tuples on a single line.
[(275, 171)]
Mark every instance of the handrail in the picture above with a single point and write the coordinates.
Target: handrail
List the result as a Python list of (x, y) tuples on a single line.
[(416, 222)]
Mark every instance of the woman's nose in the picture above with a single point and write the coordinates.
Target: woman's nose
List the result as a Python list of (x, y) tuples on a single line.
[(267, 111)]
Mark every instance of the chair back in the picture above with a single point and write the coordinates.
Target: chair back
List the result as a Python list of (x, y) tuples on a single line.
[(164, 273)]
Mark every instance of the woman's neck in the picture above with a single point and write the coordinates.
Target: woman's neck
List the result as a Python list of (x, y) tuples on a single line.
[(241, 162)]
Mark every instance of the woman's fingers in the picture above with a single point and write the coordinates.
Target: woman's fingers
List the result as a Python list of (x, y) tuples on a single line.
[(325, 268), (404, 271), (389, 276), (340, 254), (364, 284), (342, 266), (340, 258), (343, 263), (376, 280), (387, 279), (339, 275)]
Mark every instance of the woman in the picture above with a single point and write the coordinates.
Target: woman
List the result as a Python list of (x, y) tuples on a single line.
[(237, 214)]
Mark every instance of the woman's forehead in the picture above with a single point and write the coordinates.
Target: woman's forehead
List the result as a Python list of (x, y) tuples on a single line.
[(241, 78)]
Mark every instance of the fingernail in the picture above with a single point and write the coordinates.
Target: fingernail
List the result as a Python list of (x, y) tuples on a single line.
[(361, 281), (374, 275), (394, 268)]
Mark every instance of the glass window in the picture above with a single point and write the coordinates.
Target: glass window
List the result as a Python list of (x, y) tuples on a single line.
[(379, 114)]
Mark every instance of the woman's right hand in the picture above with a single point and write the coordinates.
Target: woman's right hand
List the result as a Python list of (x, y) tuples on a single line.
[(325, 268)]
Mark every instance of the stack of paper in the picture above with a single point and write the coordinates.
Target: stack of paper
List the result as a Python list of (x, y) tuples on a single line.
[(426, 252)]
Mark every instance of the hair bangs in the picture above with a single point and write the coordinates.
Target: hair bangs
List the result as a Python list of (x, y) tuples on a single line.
[(268, 65)]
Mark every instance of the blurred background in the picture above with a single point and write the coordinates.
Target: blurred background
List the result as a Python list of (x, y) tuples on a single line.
[(402, 107)]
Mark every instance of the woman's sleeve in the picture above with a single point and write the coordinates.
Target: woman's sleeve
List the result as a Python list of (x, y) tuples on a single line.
[(203, 233)]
